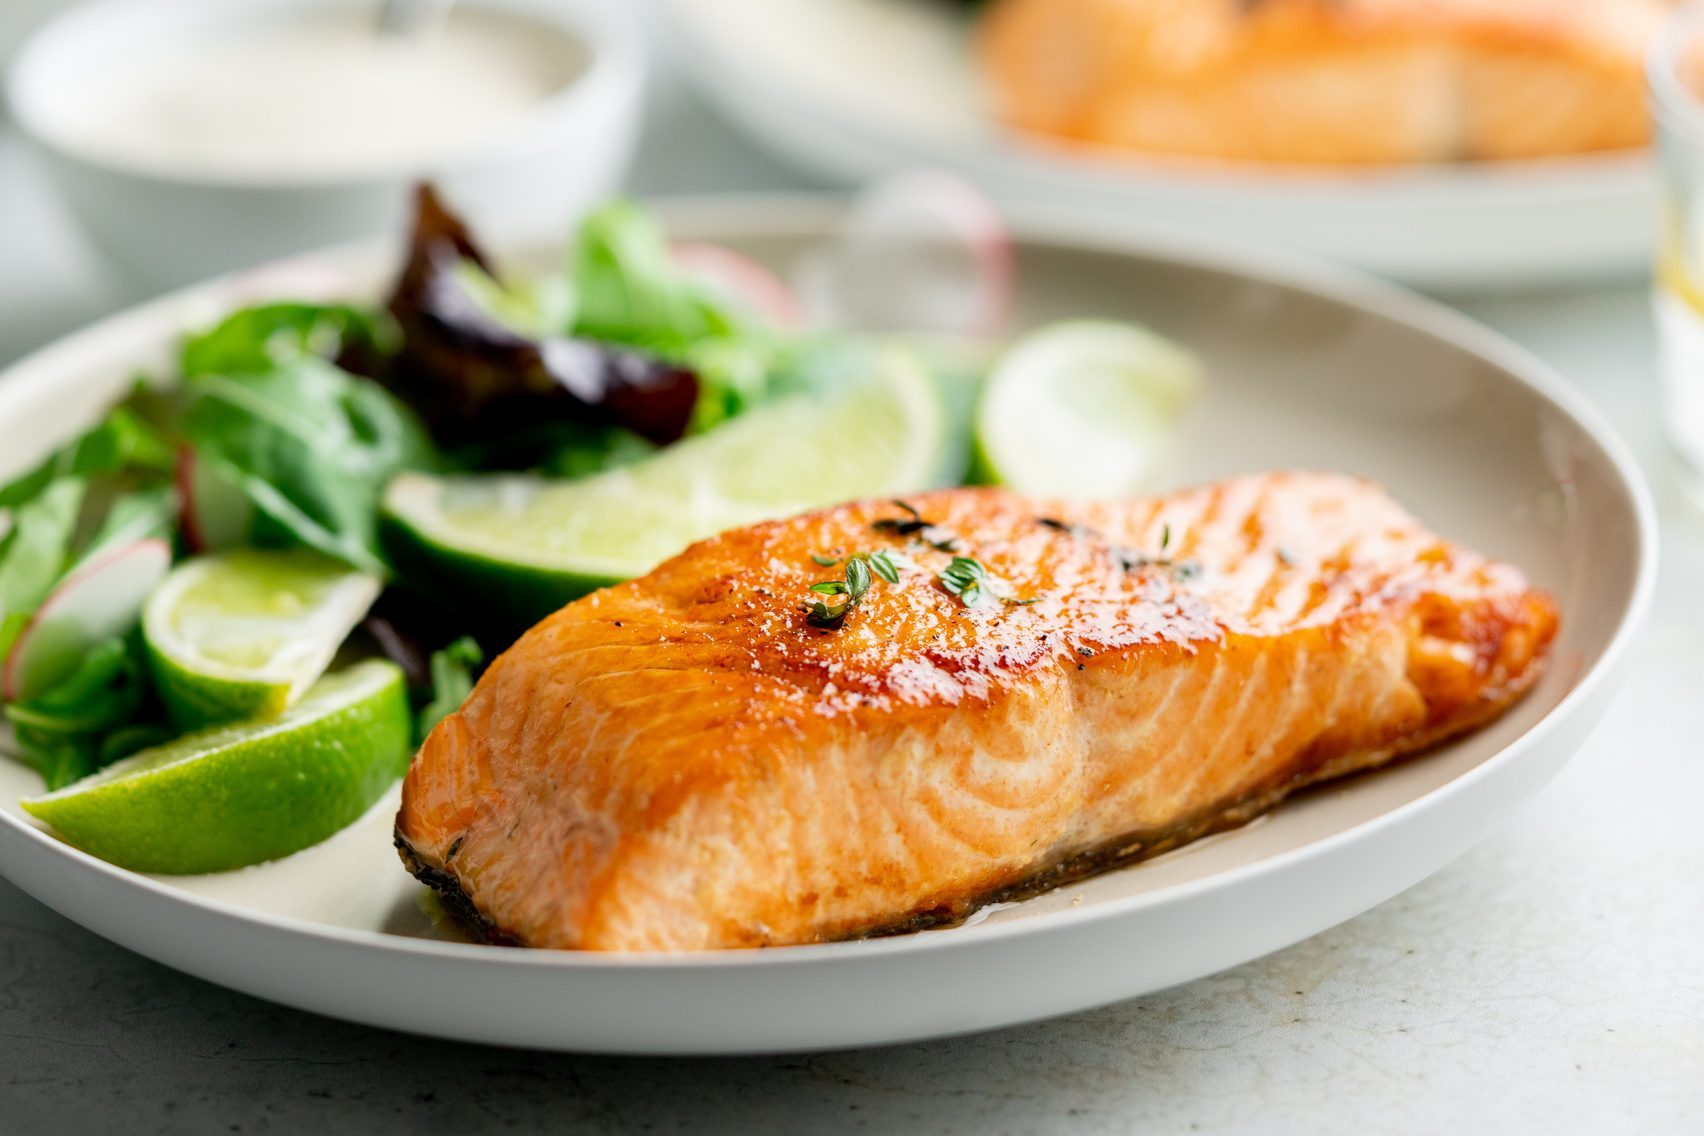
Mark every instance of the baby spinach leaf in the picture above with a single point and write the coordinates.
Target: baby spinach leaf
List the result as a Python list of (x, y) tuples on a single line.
[(132, 516), (35, 552), (452, 681), (628, 288), (260, 338), (312, 447), (102, 711), (121, 442)]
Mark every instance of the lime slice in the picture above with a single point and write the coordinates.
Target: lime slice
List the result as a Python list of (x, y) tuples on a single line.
[(245, 792), (243, 633), (1083, 409), (519, 547)]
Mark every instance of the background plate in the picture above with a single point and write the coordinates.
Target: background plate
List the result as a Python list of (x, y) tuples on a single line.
[(1310, 367), (857, 88)]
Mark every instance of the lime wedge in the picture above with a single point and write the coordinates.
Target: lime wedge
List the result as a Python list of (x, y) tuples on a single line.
[(244, 633), (1083, 409), (518, 547), (242, 793)]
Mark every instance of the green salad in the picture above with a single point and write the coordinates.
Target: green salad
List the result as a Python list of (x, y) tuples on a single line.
[(231, 608)]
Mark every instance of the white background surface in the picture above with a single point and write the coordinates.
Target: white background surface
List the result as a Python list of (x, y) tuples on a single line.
[(1551, 981)]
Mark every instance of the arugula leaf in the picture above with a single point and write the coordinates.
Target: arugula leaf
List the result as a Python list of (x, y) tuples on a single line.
[(122, 441), (130, 517), (628, 288), (452, 681), (35, 552), (312, 447), (102, 711), (261, 338), (59, 758)]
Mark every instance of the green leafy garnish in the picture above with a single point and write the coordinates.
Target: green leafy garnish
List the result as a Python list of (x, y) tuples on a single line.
[(967, 579), (861, 570), (973, 584), (35, 552), (258, 339), (628, 288), (825, 561), (453, 670), (886, 565), (102, 711), (312, 447), (122, 442)]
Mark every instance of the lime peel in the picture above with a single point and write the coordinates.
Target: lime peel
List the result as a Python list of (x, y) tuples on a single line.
[(520, 546), (242, 793), (244, 633)]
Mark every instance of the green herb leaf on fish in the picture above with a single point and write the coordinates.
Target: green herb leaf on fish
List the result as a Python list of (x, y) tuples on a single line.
[(861, 571)]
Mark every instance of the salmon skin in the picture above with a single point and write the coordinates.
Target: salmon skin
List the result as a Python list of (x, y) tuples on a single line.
[(685, 761)]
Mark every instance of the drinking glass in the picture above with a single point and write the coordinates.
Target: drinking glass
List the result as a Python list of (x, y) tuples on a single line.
[(1676, 76)]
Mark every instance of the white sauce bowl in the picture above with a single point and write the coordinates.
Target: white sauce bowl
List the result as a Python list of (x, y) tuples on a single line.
[(165, 223)]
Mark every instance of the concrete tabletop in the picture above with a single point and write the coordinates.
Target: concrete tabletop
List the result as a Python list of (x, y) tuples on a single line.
[(1550, 981)]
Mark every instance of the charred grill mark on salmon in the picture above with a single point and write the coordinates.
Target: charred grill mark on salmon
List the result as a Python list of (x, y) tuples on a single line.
[(684, 762)]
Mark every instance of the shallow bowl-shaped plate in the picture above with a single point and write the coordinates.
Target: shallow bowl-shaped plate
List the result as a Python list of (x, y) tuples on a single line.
[(1310, 367), (858, 88)]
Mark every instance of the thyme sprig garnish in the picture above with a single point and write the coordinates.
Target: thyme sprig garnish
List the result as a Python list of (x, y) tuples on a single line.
[(825, 560), (970, 580), (925, 530), (861, 570)]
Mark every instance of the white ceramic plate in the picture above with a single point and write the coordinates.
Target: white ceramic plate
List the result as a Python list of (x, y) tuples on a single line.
[(857, 88), (1309, 367)]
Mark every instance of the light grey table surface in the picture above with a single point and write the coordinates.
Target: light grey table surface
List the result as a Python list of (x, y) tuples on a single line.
[(1550, 981)]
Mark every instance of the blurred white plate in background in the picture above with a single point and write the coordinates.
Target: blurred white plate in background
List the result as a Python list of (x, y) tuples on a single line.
[(857, 88)]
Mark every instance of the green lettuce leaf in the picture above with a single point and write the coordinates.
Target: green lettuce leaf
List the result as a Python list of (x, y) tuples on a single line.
[(122, 442), (312, 447), (453, 671), (628, 289), (102, 711), (35, 553), (260, 338)]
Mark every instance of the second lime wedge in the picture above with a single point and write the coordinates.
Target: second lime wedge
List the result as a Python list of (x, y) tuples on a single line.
[(238, 794), (244, 633), (518, 547), (1084, 408)]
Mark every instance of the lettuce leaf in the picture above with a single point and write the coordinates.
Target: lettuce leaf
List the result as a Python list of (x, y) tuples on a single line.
[(628, 289), (312, 447), (103, 711), (121, 442), (258, 339), (453, 670)]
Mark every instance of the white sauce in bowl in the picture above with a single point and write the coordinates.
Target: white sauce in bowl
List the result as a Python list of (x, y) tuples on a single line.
[(321, 93)]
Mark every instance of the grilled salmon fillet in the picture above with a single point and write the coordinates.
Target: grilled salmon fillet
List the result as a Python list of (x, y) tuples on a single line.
[(684, 761), (1332, 81)]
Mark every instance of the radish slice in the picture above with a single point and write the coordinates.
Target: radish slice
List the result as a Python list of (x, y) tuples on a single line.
[(740, 278), (216, 514), (96, 601), (922, 252)]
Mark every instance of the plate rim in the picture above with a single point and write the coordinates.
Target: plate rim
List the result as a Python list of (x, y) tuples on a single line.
[(757, 214)]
